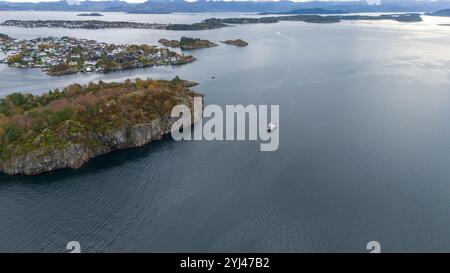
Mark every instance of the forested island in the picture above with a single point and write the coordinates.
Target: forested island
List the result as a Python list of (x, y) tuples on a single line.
[(65, 128), (237, 42), (66, 55), (212, 23), (187, 43), (318, 19)]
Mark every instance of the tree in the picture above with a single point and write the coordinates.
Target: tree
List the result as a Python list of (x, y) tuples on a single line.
[(14, 59), (4, 108), (73, 90), (18, 99), (92, 87), (59, 68), (176, 79), (60, 116), (140, 83)]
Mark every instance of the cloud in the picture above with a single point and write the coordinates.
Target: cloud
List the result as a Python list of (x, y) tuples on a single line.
[(76, 1)]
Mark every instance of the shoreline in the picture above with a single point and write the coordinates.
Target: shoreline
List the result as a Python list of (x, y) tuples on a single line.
[(65, 55)]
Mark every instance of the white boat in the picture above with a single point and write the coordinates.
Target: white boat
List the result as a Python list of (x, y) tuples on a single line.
[(271, 127)]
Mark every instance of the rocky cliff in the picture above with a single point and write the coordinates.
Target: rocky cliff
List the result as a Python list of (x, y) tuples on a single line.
[(76, 155)]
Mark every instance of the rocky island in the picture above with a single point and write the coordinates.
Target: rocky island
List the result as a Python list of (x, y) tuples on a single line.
[(65, 55), (187, 43), (64, 129), (237, 42)]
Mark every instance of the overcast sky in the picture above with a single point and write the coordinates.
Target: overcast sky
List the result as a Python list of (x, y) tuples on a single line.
[(138, 1)]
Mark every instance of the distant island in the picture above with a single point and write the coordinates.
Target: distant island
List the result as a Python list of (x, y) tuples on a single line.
[(187, 43), (94, 14), (442, 13), (308, 11), (146, 11), (212, 23), (64, 129), (84, 24), (318, 19), (65, 55), (237, 42), (246, 6)]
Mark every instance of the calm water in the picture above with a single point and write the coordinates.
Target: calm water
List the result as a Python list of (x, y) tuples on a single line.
[(364, 150)]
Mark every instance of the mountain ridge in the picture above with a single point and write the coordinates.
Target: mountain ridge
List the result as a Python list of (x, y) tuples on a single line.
[(167, 6)]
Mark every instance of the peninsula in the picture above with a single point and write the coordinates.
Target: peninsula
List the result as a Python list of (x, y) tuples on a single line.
[(214, 23), (65, 55), (187, 43), (64, 129)]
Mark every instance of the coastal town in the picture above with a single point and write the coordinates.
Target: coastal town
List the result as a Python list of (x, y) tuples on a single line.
[(85, 24), (66, 55), (98, 24)]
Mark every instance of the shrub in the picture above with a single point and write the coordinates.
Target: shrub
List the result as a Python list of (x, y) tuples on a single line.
[(188, 40), (60, 116), (12, 132), (73, 90), (4, 108), (59, 68), (18, 99), (14, 59)]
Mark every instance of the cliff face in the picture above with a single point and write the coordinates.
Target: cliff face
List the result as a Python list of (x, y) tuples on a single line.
[(75, 155)]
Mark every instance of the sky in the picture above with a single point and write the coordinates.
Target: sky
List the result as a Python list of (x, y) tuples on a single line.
[(140, 1)]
